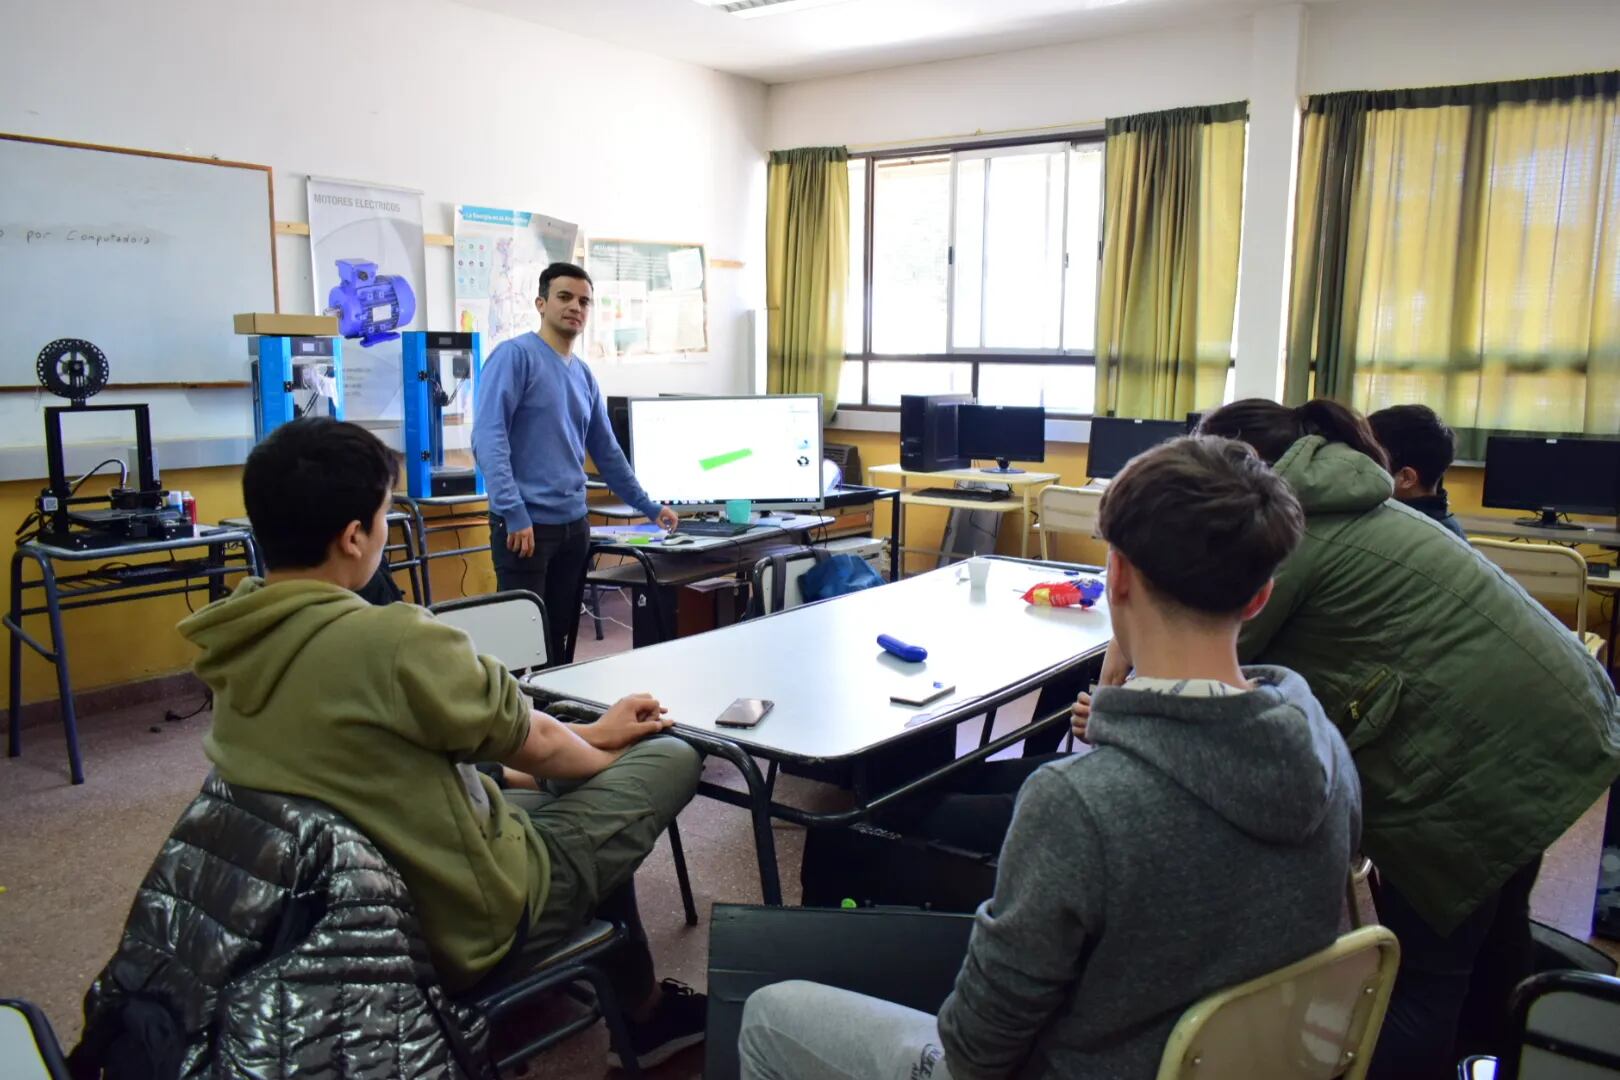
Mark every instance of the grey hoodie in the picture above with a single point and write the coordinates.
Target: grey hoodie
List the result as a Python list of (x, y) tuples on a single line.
[(1204, 842)]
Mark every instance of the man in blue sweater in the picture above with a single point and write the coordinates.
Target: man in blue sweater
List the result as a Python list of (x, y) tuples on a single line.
[(539, 412)]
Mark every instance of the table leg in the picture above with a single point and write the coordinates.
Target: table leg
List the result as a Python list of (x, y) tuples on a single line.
[(759, 808), (895, 536), (64, 685), (1023, 535), (14, 706), (1614, 629)]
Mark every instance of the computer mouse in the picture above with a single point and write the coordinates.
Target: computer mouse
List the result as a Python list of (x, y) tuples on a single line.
[(677, 538)]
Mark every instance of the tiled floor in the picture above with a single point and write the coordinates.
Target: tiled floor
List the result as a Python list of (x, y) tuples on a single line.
[(70, 858)]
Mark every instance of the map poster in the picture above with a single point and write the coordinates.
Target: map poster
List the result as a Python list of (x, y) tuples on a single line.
[(369, 270), (651, 299), (499, 256)]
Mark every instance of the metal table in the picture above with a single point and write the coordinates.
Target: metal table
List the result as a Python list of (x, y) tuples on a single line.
[(113, 585), (831, 683), (411, 561), (454, 521)]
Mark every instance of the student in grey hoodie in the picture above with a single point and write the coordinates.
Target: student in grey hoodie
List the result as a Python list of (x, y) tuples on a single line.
[(1203, 842)]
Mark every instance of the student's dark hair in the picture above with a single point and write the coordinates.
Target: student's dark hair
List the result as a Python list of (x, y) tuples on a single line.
[(306, 481), (561, 269), (1205, 521), (1272, 428), (1415, 435)]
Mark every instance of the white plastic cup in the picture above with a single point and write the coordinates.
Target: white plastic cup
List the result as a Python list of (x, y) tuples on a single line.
[(978, 572)]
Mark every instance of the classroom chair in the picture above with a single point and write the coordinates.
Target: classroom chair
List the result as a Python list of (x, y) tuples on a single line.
[(1567, 1027), (1548, 572), (775, 580), (1312, 1020), (1066, 510), (511, 627), (28, 1046)]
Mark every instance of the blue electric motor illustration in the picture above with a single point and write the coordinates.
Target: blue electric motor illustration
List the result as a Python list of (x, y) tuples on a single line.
[(370, 306)]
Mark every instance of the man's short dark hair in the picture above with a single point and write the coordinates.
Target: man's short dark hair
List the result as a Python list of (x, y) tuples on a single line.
[(561, 269), (1415, 435), (1205, 521), (306, 481)]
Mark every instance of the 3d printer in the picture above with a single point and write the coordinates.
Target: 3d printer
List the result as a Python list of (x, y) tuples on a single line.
[(441, 384), (77, 370), (294, 377)]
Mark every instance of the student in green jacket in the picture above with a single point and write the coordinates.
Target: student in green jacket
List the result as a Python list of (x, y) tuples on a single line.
[(1481, 728), (381, 714)]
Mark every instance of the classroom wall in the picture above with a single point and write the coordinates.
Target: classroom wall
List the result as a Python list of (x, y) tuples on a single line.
[(464, 104)]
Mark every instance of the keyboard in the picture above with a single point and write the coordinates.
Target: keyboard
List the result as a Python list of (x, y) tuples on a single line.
[(712, 528), (972, 494)]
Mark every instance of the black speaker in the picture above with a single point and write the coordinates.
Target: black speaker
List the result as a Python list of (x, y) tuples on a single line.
[(928, 432)]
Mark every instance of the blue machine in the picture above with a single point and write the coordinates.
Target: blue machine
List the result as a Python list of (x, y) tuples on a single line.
[(441, 377), (293, 377)]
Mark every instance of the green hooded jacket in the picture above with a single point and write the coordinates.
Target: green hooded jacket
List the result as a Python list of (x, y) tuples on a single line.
[(378, 712), (1481, 728)]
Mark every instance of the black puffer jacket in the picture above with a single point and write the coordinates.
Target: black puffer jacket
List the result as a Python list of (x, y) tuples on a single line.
[(272, 939)]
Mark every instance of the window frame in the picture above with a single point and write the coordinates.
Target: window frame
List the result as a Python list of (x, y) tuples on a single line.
[(974, 356)]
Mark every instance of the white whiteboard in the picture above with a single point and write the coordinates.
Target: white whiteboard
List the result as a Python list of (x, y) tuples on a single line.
[(148, 257)]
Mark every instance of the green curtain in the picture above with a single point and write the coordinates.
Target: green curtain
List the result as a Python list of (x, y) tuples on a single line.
[(1460, 246), (1172, 221), (806, 271)]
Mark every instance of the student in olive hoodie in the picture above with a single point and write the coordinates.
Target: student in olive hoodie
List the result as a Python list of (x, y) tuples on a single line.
[(1205, 841), (381, 713), (1481, 728)]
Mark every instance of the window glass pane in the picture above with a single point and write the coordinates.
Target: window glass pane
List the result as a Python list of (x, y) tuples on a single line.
[(1064, 388), (967, 300), (855, 298), (849, 383), (1085, 255), (910, 236), (1023, 241), (890, 379)]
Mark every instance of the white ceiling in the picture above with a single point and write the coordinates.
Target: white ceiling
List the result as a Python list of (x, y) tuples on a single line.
[(856, 35)]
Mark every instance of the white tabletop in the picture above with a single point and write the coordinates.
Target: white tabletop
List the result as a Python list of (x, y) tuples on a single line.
[(821, 664), (142, 547), (763, 529), (1014, 480), (442, 500), (1482, 525)]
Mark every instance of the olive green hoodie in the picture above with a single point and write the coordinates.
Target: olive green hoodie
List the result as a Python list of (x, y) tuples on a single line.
[(376, 712), (1480, 726)]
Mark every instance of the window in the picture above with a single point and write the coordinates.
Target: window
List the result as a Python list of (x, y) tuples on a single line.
[(974, 270)]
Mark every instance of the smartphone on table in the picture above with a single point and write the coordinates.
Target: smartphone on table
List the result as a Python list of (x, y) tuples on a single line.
[(744, 713)]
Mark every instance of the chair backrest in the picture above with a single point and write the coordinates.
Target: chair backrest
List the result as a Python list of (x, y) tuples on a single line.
[(510, 626), (1067, 510), (769, 596), (28, 1046), (1312, 1020), (1547, 572), (1568, 1024)]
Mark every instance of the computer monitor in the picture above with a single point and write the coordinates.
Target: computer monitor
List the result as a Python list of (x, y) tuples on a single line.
[(1004, 432), (694, 453), (1552, 475), (1117, 439)]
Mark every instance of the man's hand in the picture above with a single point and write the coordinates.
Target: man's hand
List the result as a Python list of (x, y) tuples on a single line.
[(668, 519), (1080, 716), (521, 542), (630, 720), (1116, 665)]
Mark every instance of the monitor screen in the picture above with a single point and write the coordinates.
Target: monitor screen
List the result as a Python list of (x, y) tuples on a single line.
[(701, 451), (1566, 475), (1117, 439), (1005, 432)]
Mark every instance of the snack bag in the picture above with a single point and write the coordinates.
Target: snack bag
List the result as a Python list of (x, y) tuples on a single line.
[(1072, 592)]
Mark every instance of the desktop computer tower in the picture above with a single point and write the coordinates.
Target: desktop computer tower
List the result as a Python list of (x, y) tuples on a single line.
[(928, 431)]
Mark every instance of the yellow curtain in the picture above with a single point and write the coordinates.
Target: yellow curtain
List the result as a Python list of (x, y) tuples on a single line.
[(1173, 210), (806, 271), (1460, 247)]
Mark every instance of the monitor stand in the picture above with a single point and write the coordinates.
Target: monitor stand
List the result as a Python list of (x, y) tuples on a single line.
[(1549, 520), (1002, 468)]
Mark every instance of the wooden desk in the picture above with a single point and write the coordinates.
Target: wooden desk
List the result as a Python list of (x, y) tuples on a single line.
[(1479, 525), (1025, 488)]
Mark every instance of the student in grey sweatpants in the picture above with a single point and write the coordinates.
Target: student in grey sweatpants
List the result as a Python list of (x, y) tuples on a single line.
[(1204, 842)]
